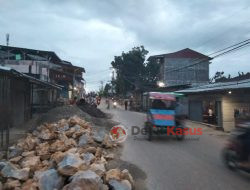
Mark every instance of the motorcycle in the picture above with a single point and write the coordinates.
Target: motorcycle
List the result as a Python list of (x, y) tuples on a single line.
[(232, 153), (114, 104), (98, 102)]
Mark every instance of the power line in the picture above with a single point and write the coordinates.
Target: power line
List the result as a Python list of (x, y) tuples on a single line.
[(218, 51), (230, 47), (95, 81), (98, 72), (202, 60), (223, 51), (236, 46), (234, 49)]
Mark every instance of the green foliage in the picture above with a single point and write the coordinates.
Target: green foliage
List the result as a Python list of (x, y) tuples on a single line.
[(132, 72), (152, 72), (217, 76), (106, 90)]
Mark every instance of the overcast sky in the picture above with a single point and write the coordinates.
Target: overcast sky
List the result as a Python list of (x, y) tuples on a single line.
[(89, 33)]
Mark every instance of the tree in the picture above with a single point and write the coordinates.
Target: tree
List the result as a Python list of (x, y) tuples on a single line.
[(218, 76), (101, 89), (106, 90), (152, 73), (130, 70)]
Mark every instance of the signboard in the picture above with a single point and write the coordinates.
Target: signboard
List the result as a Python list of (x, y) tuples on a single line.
[(18, 57)]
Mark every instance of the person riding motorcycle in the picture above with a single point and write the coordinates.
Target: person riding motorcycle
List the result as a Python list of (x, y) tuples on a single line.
[(244, 140)]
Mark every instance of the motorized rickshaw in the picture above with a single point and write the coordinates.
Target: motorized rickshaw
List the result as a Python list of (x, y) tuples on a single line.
[(162, 115)]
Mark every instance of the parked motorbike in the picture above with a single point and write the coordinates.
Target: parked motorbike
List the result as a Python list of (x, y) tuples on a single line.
[(233, 151)]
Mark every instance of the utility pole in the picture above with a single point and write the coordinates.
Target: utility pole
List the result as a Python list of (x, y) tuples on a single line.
[(8, 124), (7, 44), (7, 39), (113, 74)]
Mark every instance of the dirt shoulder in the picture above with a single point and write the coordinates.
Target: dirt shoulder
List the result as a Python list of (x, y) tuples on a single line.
[(138, 174)]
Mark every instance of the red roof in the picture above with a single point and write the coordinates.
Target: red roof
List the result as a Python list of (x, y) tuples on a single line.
[(185, 53)]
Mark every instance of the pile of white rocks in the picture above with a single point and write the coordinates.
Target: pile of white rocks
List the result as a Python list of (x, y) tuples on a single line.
[(65, 155)]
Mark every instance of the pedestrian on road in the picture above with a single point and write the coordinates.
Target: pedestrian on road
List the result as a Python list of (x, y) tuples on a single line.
[(108, 103), (126, 105)]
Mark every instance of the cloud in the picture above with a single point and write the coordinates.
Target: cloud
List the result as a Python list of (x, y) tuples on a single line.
[(90, 33)]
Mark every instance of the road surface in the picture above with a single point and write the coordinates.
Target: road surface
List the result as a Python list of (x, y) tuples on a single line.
[(178, 165)]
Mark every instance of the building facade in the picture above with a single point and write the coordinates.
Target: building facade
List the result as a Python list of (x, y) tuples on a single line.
[(224, 104), (45, 66), (70, 77), (184, 67), (36, 63)]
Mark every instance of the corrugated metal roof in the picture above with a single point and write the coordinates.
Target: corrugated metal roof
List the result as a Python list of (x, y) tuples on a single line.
[(38, 81), (4, 54), (184, 53), (52, 56), (32, 53), (5, 68), (36, 57), (30, 78), (66, 62), (222, 86)]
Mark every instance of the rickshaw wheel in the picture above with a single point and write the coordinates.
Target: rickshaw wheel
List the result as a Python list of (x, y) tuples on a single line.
[(180, 137), (150, 132)]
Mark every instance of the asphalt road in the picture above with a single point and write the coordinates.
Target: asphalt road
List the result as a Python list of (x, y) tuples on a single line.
[(178, 165)]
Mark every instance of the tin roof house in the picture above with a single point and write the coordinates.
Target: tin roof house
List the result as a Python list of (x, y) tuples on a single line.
[(184, 67), (223, 104), (46, 66)]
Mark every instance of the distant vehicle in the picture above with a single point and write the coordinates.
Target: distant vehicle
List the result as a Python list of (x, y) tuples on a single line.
[(237, 148), (98, 100), (161, 115), (114, 104), (108, 103)]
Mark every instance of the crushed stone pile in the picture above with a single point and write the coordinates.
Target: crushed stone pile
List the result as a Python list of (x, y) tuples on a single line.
[(63, 112), (90, 109), (66, 155)]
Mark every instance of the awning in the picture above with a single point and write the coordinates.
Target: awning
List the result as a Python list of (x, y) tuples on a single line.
[(221, 86), (161, 96)]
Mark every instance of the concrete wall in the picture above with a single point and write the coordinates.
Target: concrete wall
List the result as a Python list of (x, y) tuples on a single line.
[(40, 68), (197, 74), (229, 104)]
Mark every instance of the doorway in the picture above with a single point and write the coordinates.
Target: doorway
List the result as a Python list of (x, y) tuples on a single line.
[(195, 111)]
